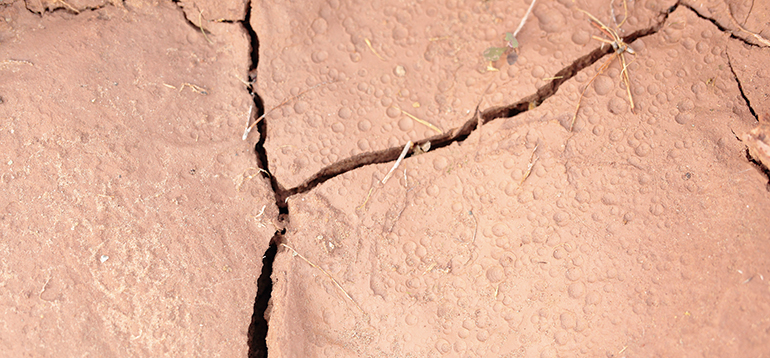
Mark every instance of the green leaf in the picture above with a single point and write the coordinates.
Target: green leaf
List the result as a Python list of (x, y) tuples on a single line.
[(493, 54), (512, 42)]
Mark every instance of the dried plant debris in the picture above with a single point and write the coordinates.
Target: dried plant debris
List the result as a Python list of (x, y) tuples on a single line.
[(758, 141)]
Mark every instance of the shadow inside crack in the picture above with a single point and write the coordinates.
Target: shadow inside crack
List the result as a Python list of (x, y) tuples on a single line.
[(259, 148), (257, 336), (262, 164), (259, 324), (760, 166)]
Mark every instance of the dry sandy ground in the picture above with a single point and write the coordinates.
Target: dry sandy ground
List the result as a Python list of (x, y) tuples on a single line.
[(135, 216)]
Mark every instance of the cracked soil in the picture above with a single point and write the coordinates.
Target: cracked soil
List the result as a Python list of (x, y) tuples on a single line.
[(138, 219)]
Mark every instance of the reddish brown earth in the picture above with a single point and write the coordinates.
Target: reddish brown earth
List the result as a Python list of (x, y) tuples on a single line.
[(134, 218), (130, 205)]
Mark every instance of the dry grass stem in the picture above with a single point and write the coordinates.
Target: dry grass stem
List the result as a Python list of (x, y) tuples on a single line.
[(200, 25), (759, 38), (475, 228), (248, 119), (68, 6), (477, 114), (438, 38), (259, 170), (384, 180), (327, 275), (261, 211), (371, 190), (423, 122), (614, 17), (524, 19), (621, 48), (285, 102), (243, 178), (195, 88), (398, 162), (532, 160), (369, 43)]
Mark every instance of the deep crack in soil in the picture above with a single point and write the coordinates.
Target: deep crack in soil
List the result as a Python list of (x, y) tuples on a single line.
[(257, 335), (62, 6), (259, 148), (740, 88), (719, 26), (760, 166), (458, 135), (257, 332), (259, 326)]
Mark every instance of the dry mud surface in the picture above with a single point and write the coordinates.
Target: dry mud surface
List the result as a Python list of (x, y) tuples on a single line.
[(129, 206), (135, 220)]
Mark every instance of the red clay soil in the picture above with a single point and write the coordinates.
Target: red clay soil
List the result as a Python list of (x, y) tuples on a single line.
[(640, 234), (134, 217), (131, 211)]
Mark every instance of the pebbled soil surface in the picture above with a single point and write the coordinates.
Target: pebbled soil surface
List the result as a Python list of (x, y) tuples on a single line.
[(135, 219)]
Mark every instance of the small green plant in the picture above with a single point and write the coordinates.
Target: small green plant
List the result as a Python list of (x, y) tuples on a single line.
[(493, 54)]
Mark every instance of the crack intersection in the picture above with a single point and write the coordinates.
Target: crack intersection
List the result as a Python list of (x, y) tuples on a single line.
[(257, 337)]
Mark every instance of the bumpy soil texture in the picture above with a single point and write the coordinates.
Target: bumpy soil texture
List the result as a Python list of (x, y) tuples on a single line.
[(606, 194)]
